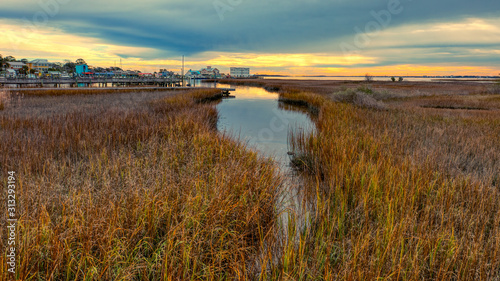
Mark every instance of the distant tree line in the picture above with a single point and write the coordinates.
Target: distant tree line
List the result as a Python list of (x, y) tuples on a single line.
[(369, 78)]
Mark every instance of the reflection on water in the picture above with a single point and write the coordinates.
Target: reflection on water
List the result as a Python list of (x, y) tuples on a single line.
[(382, 78), (256, 117)]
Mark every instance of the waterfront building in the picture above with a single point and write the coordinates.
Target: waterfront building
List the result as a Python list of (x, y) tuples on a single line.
[(40, 65), (10, 73), (81, 69), (119, 73), (163, 73), (54, 74), (16, 65), (210, 72), (193, 74), (240, 72)]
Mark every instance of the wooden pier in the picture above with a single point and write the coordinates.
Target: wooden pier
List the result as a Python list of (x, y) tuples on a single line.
[(225, 91), (89, 81), (83, 83)]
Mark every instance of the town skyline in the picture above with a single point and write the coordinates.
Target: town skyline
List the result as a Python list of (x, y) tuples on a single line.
[(284, 38)]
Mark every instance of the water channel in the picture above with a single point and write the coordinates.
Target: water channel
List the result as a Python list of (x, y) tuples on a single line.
[(256, 117)]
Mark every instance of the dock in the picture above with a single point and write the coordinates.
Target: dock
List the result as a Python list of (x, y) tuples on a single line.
[(96, 83), (226, 91), (89, 81)]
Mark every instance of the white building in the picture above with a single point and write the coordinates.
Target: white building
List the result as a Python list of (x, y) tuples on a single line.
[(210, 72), (10, 73), (16, 65), (240, 72)]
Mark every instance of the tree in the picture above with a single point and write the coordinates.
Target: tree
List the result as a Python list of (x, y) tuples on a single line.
[(393, 78), (400, 79), (4, 62), (24, 70), (368, 77), (69, 67), (80, 61)]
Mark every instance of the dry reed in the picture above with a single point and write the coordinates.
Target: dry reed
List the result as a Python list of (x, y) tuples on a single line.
[(127, 194), (404, 195), (410, 192)]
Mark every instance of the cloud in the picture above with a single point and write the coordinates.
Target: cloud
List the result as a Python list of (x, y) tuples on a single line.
[(269, 34), (192, 27)]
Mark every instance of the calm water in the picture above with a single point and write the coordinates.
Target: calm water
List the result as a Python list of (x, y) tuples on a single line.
[(255, 116), (378, 78)]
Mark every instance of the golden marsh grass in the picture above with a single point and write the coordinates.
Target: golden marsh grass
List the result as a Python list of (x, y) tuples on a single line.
[(402, 194), (404, 188), (150, 194)]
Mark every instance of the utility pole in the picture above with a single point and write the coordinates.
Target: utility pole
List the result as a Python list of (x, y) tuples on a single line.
[(182, 71)]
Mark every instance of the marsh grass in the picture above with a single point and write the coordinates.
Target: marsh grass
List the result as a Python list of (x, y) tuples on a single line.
[(407, 193), (128, 194), (40, 92), (3, 95), (404, 195), (388, 90), (154, 193)]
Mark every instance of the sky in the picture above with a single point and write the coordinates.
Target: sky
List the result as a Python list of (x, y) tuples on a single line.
[(294, 37)]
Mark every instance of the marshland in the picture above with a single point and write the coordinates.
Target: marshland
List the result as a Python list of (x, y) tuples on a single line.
[(401, 182)]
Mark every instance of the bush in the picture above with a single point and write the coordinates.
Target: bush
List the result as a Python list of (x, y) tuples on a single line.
[(368, 77), (359, 97), (365, 89)]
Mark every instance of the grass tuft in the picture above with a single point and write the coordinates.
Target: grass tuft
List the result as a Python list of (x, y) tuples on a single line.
[(361, 97), (3, 95)]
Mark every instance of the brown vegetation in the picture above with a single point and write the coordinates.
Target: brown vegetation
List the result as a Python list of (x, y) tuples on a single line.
[(3, 95), (402, 178), (395, 90), (145, 193), (43, 92), (405, 194)]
